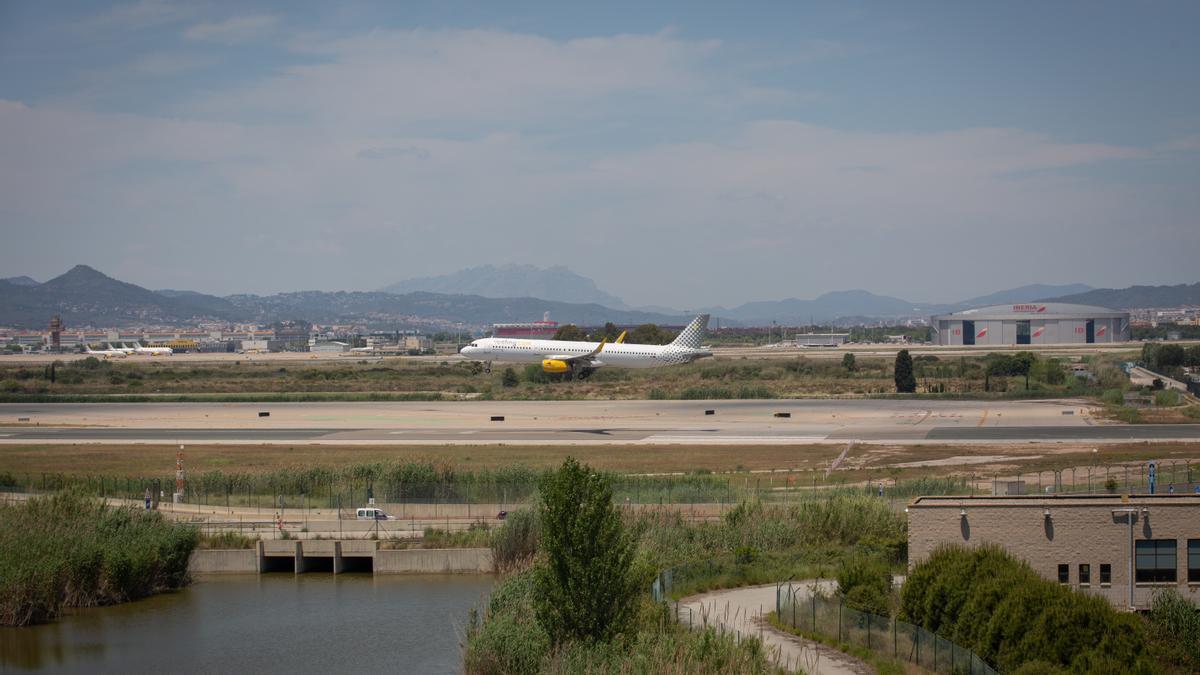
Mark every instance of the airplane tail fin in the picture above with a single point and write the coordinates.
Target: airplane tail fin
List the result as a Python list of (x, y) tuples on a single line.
[(691, 336)]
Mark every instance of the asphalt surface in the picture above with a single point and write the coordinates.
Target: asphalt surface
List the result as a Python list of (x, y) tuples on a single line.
[(574, 422)]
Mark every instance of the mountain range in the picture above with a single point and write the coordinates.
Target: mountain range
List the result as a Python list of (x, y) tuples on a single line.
[(513, 281), (84, 296)]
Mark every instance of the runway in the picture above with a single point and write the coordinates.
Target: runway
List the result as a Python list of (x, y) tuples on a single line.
[(771, 422)]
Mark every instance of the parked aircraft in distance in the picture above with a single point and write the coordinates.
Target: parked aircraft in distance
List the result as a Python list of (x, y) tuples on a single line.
[(152, 351), (582, 358), (105, 353)]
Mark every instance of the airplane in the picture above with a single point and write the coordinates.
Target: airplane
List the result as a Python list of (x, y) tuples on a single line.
[(152, 351), (105, 353), (123, 349), (582, 358)]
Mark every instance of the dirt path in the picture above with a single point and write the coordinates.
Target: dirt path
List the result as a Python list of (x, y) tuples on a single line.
[(743, 611)]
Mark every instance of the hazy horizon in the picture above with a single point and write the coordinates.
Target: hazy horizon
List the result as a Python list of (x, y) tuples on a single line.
[(678, 155)]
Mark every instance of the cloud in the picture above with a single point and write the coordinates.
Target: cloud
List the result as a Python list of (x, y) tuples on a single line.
[(170, 63), (137, 16), (232, 30), (473, 75), (392, 154)]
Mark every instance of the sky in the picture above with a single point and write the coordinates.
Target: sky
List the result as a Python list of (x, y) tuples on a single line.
[(683, 154)]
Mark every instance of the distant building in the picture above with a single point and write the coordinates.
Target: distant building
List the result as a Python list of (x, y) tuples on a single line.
[(1119, 547), (544, 329), (821, 339), (418, 343), (1031, 324), (330, 347)]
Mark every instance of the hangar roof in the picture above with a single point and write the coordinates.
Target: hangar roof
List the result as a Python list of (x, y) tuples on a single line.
[(1035, 310)]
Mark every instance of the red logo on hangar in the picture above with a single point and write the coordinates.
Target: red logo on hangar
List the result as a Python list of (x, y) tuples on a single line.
[(1038, 332), (1029, 309), (981, 333)]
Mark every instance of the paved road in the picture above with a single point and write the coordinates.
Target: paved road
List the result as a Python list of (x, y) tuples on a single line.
[(788, 422), (1114, 433), (742, 611)]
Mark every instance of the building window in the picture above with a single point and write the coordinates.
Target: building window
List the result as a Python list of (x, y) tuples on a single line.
[(1194, 560), (1064, 574), (1155, 560), (1085, 574), (1105, 573)]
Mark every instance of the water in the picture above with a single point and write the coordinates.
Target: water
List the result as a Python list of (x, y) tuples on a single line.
[(268, 623)]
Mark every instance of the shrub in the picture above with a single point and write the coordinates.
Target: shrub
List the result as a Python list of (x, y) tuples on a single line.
[(72, 551), (509, 378), (1166, 397), (516, 541), (584, 588), (998, 607), (1175, 629), (1113, 397), (865, 583)]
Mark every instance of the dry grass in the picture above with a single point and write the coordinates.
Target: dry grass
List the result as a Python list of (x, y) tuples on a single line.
[(864, 462)]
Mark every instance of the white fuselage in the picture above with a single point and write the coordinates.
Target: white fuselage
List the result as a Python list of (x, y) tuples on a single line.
[(153, 351), (620, 355)]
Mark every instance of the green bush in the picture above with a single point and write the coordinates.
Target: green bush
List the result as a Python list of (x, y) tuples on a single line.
[(1113, 397), (1166, 397), (516, 541), (997, 606), (1175, 629), (73, 551), (865, 583)]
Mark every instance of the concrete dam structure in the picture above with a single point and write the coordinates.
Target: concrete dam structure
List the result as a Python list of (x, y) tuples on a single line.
[(338, 556)]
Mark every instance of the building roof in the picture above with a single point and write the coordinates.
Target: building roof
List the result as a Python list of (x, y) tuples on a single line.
[(1039, 501), (1035, 310)]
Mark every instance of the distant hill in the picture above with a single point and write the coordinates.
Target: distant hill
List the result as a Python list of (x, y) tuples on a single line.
[(20, 281), (86, 297), (513, 281), (1135, 297), (470, 310), (1030, 293), (825, 308)]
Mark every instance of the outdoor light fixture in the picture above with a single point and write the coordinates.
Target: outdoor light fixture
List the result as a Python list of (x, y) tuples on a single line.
[(962, 512), (1046, 513)]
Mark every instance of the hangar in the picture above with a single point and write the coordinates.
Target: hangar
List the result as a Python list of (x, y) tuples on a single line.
[(1031, 324)]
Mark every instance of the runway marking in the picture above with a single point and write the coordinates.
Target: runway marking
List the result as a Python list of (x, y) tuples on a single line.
[(730, 440), (982, 419), (5, 435), (924, 417)]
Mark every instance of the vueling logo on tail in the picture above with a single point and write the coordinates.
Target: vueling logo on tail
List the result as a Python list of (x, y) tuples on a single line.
[(692, 335)]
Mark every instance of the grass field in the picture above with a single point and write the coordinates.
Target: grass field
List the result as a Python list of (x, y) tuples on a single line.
[(864, 462), (400, 378)]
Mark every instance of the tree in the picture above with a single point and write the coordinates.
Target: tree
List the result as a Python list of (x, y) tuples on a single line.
[(906, 383), (610, 332), (509, 378), (649, 334), (583, 585), (848, 362), (570, 332)]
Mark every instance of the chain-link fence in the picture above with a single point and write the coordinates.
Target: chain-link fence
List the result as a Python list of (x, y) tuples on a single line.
[(804, 610)]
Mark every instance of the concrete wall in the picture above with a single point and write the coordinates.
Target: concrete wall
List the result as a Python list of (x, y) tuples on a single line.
[(1079, 530), (431, 561), (224, 561)]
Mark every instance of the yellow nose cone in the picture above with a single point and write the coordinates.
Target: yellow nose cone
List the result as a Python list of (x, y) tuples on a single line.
[(554, 366)]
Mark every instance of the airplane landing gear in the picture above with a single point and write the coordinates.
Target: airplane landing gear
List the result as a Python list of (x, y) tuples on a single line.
[(487, 367), (585, 373)]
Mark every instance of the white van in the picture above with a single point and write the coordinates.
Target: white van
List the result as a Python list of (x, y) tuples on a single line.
[(372, 513)]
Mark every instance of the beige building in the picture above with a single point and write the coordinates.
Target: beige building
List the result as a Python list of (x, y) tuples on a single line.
[(1121, 547)]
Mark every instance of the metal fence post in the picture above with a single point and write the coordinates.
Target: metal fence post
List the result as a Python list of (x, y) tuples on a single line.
[(839, 620)]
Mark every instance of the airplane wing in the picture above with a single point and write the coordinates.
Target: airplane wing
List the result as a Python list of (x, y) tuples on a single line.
[(579, 358)]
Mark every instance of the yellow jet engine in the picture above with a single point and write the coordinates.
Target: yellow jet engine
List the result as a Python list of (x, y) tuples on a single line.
[(555, 366)]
